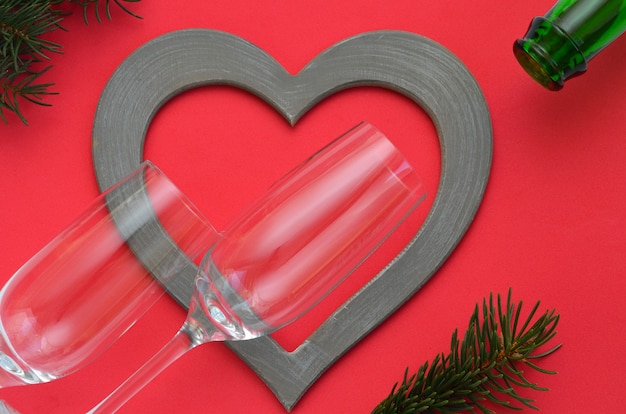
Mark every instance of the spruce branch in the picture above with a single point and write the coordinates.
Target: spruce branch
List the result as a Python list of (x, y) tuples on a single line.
[(24, 25), (18, 85), (87, 4), (486, 365)]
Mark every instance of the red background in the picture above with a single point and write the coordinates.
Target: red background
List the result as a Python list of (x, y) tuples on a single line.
[(551, 226)]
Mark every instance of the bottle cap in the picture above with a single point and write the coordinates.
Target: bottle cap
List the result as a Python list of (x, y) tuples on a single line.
[(548, 54)]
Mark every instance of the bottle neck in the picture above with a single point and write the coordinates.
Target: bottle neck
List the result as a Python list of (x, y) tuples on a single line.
[(549, 54)]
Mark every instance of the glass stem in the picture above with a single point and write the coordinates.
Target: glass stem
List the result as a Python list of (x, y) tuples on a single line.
[(174, 349)]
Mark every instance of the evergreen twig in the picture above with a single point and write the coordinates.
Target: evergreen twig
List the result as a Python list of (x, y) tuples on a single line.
[(23, 47), (486, 365), (86, 4), (22, 25)]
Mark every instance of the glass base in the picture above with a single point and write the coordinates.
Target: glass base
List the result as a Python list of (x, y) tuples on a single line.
[(7, 409)]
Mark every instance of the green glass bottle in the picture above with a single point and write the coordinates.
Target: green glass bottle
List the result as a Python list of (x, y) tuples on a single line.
[(559, 45)]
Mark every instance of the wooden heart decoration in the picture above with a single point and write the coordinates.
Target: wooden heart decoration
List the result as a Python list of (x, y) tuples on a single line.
[(406, 63)]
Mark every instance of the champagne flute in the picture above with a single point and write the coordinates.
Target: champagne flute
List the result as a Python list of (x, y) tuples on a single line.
[(83, 290), (292, 247)]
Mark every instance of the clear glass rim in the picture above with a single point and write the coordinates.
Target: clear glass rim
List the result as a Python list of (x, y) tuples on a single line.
[(182, 197)]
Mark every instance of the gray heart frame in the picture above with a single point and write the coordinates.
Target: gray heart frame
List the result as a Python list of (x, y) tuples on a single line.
[(406, 63)]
